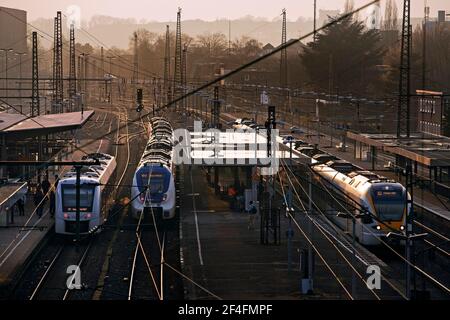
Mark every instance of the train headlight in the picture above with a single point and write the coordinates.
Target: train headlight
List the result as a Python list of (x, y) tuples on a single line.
[(164, 198), (402, 227), (378, 227)]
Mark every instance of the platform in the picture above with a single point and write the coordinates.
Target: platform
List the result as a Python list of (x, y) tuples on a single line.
[(220, 253)]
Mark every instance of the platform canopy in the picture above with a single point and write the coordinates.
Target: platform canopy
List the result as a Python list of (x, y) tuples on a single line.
[(19, 126), (426, 149)]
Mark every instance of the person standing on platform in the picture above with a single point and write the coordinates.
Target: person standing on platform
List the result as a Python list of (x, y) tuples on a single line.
[(45, 187), (252, 211), (52, 203), (39, 201), (21, 207)]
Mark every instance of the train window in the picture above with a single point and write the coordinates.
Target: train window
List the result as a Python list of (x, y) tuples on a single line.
[(389, 203), (69, 200)]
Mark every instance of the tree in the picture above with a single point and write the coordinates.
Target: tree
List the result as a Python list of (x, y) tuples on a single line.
[(344, 58), (214, 43)]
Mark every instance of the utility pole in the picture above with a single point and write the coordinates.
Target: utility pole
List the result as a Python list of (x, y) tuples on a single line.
[(403, 112), (110, 79), (86, 93), (184, 75), (35, 104), (315, 27), (283, 63), (72, 74), (79, 73), (77, 204), (177, 80), (58, 87), (167, 88), (102, 57), (134, 79), (290, 213), (283, 59), (424, 45), (216, 109), (6, 68), (20, 54)]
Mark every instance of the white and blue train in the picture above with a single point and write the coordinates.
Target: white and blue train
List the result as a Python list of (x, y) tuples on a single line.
[(93, 196), (153, 188)]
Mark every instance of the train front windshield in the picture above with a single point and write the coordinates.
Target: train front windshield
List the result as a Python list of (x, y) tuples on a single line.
[(389, 203), (69, 198), (156, 178)]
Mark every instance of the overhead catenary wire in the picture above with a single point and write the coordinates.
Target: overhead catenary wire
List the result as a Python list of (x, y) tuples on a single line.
[(337, 230), (333, 273)]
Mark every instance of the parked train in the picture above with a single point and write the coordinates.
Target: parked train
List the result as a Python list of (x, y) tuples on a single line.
[(93, 196), (379, 204), (153, 182)]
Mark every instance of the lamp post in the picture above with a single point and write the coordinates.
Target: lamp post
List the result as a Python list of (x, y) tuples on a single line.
[(6, 50)]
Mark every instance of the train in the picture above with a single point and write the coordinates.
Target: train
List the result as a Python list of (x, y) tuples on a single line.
[(379, 205), (94, 195), (153, 188)]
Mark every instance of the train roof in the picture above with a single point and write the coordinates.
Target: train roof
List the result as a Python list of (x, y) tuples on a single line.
[(93, 171)]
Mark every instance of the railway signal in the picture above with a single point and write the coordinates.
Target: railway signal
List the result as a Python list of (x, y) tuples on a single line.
[(139, 97)]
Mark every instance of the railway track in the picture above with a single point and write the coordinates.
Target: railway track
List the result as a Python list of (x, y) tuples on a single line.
[(53, 283)]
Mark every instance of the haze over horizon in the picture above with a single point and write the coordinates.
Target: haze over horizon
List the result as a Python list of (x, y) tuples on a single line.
[(200, 9)]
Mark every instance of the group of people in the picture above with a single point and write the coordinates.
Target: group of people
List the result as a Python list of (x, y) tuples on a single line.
[(45, 191)]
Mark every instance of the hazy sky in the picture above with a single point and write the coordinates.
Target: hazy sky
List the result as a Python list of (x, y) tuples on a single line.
[(165, 10)]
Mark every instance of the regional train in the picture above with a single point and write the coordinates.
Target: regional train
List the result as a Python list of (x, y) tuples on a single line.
[(153, 188), (379, 204), (93, 196)]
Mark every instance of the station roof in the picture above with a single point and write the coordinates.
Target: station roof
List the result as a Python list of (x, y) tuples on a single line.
[(427, 149), (46, 124), (9, 119)]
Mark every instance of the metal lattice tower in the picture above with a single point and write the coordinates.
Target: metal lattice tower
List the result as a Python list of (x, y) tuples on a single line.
[(167, 65), (134, 80), (72, 72), (283, 60), (79, 73), (35, 106), (403, 112), (177, 79), (184, 75), (58, 88)]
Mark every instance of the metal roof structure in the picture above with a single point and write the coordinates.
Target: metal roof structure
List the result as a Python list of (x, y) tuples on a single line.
[(21, 126), (427, 149)]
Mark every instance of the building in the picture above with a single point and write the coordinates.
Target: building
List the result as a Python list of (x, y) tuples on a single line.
[(442, 21), (13, 29), (430, 112), (13, 47)]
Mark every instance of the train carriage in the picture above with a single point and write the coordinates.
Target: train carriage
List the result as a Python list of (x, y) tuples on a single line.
[(153, 182), (94, 194)]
